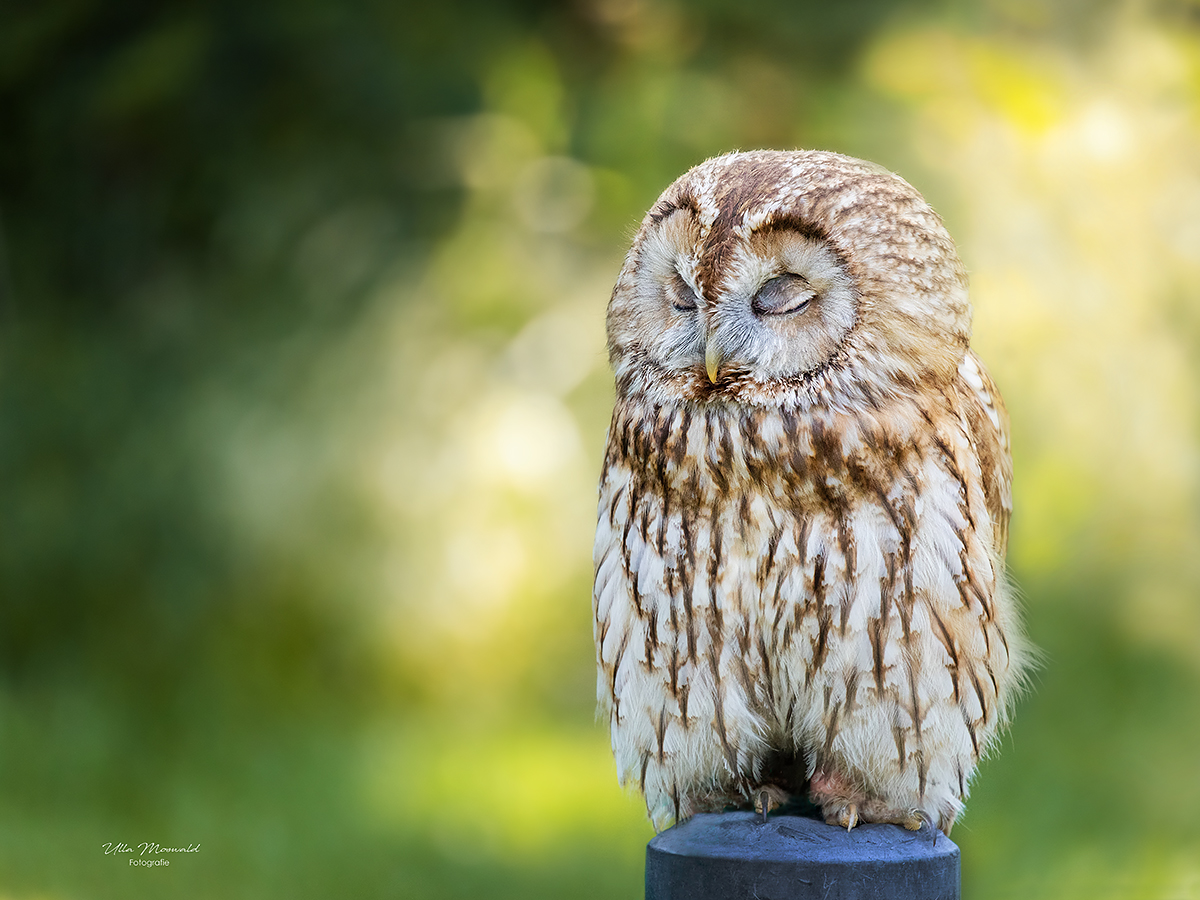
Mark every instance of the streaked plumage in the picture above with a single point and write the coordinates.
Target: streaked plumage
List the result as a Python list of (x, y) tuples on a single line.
[(804, 503)]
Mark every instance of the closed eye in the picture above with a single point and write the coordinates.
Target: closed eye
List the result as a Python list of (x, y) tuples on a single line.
[(783, 294), (682, 297)]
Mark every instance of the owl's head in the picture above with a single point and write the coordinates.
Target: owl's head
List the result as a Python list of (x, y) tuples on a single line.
[(771, 276)]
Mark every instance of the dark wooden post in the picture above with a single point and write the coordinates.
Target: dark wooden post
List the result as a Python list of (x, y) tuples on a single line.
[(735, 855)]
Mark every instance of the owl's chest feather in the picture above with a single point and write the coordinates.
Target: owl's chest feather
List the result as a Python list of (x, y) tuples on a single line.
[(754, 462), (729, 508)]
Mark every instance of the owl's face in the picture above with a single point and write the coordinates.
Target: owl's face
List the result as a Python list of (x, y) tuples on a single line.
[(761, 276), (783, 307)]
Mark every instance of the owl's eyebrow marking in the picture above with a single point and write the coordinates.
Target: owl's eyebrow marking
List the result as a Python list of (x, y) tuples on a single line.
[(790, 222), (667, 207)]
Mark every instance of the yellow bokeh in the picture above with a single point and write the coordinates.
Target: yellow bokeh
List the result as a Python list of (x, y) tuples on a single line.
[(306, 391)]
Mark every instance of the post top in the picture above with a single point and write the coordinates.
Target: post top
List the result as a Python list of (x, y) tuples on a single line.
[(738, 856), (782, 838)]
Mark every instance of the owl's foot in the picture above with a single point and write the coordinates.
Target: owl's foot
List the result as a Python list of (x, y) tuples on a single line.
[(845, 805), (908, 817), (768, 797), (837, 797)]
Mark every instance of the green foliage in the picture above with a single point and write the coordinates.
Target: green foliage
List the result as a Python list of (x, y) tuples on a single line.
[(303, 390)]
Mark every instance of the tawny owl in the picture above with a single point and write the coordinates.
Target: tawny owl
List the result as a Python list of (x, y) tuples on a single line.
[(799, 561)]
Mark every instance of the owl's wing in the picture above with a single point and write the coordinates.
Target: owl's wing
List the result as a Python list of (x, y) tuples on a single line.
[(987, 427)]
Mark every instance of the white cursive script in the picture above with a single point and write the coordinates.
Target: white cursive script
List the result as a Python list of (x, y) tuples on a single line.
[(146, 847)]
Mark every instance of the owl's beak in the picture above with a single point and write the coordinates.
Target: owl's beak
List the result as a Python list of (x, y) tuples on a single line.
[(712, 357)]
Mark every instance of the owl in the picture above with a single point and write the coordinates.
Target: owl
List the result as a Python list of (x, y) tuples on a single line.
[(804, 504)]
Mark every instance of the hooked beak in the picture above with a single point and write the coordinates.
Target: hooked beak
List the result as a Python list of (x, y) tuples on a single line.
[(712, 357)]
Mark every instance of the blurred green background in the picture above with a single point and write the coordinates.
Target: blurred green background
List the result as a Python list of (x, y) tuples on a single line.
[(303, 394)]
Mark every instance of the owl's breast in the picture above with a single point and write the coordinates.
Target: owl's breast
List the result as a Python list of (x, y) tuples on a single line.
[(706, 456), (771, 504)]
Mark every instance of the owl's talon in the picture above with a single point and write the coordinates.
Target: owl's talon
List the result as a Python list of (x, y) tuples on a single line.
[(945, 823), (768, 797), (851, 816), (922, 819)]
